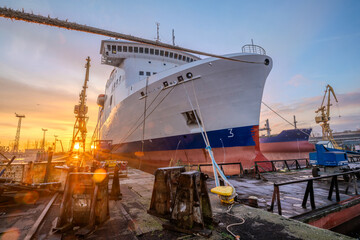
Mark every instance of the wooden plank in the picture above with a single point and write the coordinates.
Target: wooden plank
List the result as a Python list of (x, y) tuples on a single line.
[(36, 225), (136, 228)]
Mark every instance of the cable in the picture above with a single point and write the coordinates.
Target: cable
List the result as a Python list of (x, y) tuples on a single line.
[(284, 118), (55, 22), (150, 112), (134, 125)]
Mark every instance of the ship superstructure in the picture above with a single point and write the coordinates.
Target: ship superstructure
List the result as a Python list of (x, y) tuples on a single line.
[(158, 100)]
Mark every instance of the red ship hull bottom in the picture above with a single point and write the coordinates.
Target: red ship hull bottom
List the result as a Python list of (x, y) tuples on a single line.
[(286, 150), (150, 161)]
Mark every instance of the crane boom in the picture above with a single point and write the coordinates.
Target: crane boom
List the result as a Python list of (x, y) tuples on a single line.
[(324, 118)]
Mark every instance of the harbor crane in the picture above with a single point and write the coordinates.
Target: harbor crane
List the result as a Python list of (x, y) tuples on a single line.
[(323, 116), (17, 136), (80, 110)]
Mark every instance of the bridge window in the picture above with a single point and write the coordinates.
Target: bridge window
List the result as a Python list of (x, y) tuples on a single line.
[(161, 52), (146, 50), (141, 50), (136, 49), (119, 49), (166, 53), (154, 73), (152, 51), (175, 55), (183, 58), (113, 49), (148, 73), (141, 73), (108, 47), (187, 59), (156, 51), (130, 49), (180, 56), (171, 54), (124, 48), (191, 60)]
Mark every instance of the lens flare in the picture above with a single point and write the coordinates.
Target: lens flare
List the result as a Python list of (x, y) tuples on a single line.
[(76, 146), (31, 197), (139, 154), (99, 175), (10, 234)]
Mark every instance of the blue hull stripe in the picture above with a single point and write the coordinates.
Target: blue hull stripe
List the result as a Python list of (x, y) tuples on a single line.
[(234, 137), (288, 136)]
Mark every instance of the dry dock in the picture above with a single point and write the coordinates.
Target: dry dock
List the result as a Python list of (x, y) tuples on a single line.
[(129, 218)]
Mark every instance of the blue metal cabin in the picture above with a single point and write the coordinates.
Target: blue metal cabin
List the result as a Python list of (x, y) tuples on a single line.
[(327, 156)]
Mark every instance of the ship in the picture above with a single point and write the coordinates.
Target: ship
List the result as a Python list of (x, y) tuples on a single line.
[(288, 144), (159, 103)]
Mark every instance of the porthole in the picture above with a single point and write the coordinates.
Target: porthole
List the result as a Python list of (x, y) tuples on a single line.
[(267, 61), (189, 75)]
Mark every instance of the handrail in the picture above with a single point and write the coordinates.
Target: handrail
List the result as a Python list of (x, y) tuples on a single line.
[(251, 48), (310, 189), (315, 178)]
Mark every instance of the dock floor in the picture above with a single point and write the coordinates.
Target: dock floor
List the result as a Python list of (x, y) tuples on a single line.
[(129, 218)]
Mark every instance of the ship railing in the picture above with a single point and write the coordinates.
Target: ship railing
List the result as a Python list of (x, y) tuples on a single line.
[(310, 189), (251, 48), (259, 167), (289, 164), (221, 165)]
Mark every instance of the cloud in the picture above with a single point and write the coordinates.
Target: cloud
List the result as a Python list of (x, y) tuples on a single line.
[(298, 80), (43, 107), (304, 110)]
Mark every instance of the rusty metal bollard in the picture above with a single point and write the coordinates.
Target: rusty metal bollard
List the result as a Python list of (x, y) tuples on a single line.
[(85, 202), (115, 189), (163, 195), (192, 208)]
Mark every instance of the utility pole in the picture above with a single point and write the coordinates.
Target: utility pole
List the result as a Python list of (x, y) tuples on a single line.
[(80, 110), (55, 142), (17, 136), (295, 122), (43, 142)]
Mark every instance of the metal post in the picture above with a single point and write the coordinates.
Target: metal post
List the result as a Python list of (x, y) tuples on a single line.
[(43, 143), (48, 166)]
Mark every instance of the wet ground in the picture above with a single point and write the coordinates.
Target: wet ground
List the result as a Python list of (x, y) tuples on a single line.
[(129, 218)]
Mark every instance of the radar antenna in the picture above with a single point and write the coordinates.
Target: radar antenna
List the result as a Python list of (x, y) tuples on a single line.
[(157, 32), (173, 37)]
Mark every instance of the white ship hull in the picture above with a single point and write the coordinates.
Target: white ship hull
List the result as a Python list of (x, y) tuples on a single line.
[(226, 95)]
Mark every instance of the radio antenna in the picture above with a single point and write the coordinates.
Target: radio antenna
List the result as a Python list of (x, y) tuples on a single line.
[(157, 32), (173, 37)]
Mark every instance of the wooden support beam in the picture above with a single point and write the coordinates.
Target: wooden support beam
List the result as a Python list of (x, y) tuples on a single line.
[(334, 183), (276, 196), (36, 225)]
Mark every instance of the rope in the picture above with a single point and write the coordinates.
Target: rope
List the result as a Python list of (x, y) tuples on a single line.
[(134, 125), (284, 118), (143, 133), (151, 112), (216, 167), (237, 237)]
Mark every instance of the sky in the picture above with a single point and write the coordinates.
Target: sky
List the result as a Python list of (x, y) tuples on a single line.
[(312, 44)]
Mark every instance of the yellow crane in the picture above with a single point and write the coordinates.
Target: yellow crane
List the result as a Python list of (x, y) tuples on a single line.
[(323, 116)]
